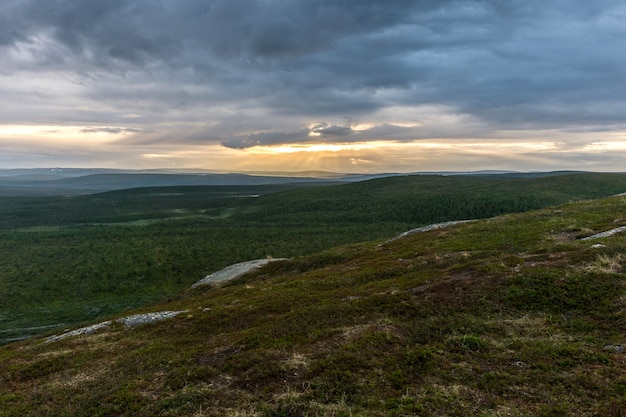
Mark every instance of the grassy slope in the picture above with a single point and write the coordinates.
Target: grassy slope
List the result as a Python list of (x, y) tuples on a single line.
[(508, 316), (71, 260)]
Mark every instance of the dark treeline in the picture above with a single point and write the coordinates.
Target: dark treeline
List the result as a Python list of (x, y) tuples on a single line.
[(428, 199)]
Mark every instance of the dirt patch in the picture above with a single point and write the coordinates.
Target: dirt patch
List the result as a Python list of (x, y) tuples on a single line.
[(433, 286)]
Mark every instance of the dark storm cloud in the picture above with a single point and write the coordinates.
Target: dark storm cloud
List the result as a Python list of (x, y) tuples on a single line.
[(319, 132), (289, 63), (266, 138), (246, 30), (325, 129), (111, 130)]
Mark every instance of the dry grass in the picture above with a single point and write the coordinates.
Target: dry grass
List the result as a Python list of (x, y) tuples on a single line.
[(605, 263)]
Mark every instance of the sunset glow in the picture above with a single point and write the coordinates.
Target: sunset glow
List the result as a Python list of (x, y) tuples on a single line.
[(317, 147)]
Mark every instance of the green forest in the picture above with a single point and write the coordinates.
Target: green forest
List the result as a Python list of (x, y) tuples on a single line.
[(70, 260)]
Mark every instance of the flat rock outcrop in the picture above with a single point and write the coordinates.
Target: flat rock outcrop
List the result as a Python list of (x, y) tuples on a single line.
[(234, 271)]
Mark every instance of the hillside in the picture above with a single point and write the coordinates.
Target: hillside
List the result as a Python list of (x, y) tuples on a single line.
[(423, 199), (510, 316), (72, 260)]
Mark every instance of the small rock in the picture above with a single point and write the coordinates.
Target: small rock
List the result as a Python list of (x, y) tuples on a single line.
[(615, 348)]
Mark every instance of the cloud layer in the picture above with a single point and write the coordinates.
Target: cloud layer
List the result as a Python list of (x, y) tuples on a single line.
[(245, 73)]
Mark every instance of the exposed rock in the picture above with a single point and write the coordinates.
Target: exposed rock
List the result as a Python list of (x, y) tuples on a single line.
[(606, 234), (615, 348), (129, 321), (234, 271), (137, 319), (79, 332), (428, 228)]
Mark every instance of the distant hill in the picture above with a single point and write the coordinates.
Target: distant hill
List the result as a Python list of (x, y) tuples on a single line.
[(88, 181), (76, 181)]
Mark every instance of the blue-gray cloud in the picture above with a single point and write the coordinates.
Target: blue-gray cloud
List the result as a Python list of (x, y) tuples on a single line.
[(110, 130), (263, 69), (319, 132)]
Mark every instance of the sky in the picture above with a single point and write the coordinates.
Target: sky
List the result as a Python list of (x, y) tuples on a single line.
[(293, 85)]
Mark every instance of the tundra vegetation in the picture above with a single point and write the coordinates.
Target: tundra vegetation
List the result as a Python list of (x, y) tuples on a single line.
[(511, 315)]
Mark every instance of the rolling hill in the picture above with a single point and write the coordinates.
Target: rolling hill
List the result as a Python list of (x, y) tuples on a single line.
[(71, 260), (514, 315)]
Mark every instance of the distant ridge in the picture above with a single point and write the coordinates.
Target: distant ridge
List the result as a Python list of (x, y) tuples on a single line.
[(74, 181)]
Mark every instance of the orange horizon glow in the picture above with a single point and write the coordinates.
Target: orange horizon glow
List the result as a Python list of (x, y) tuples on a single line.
[(86, 144)]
